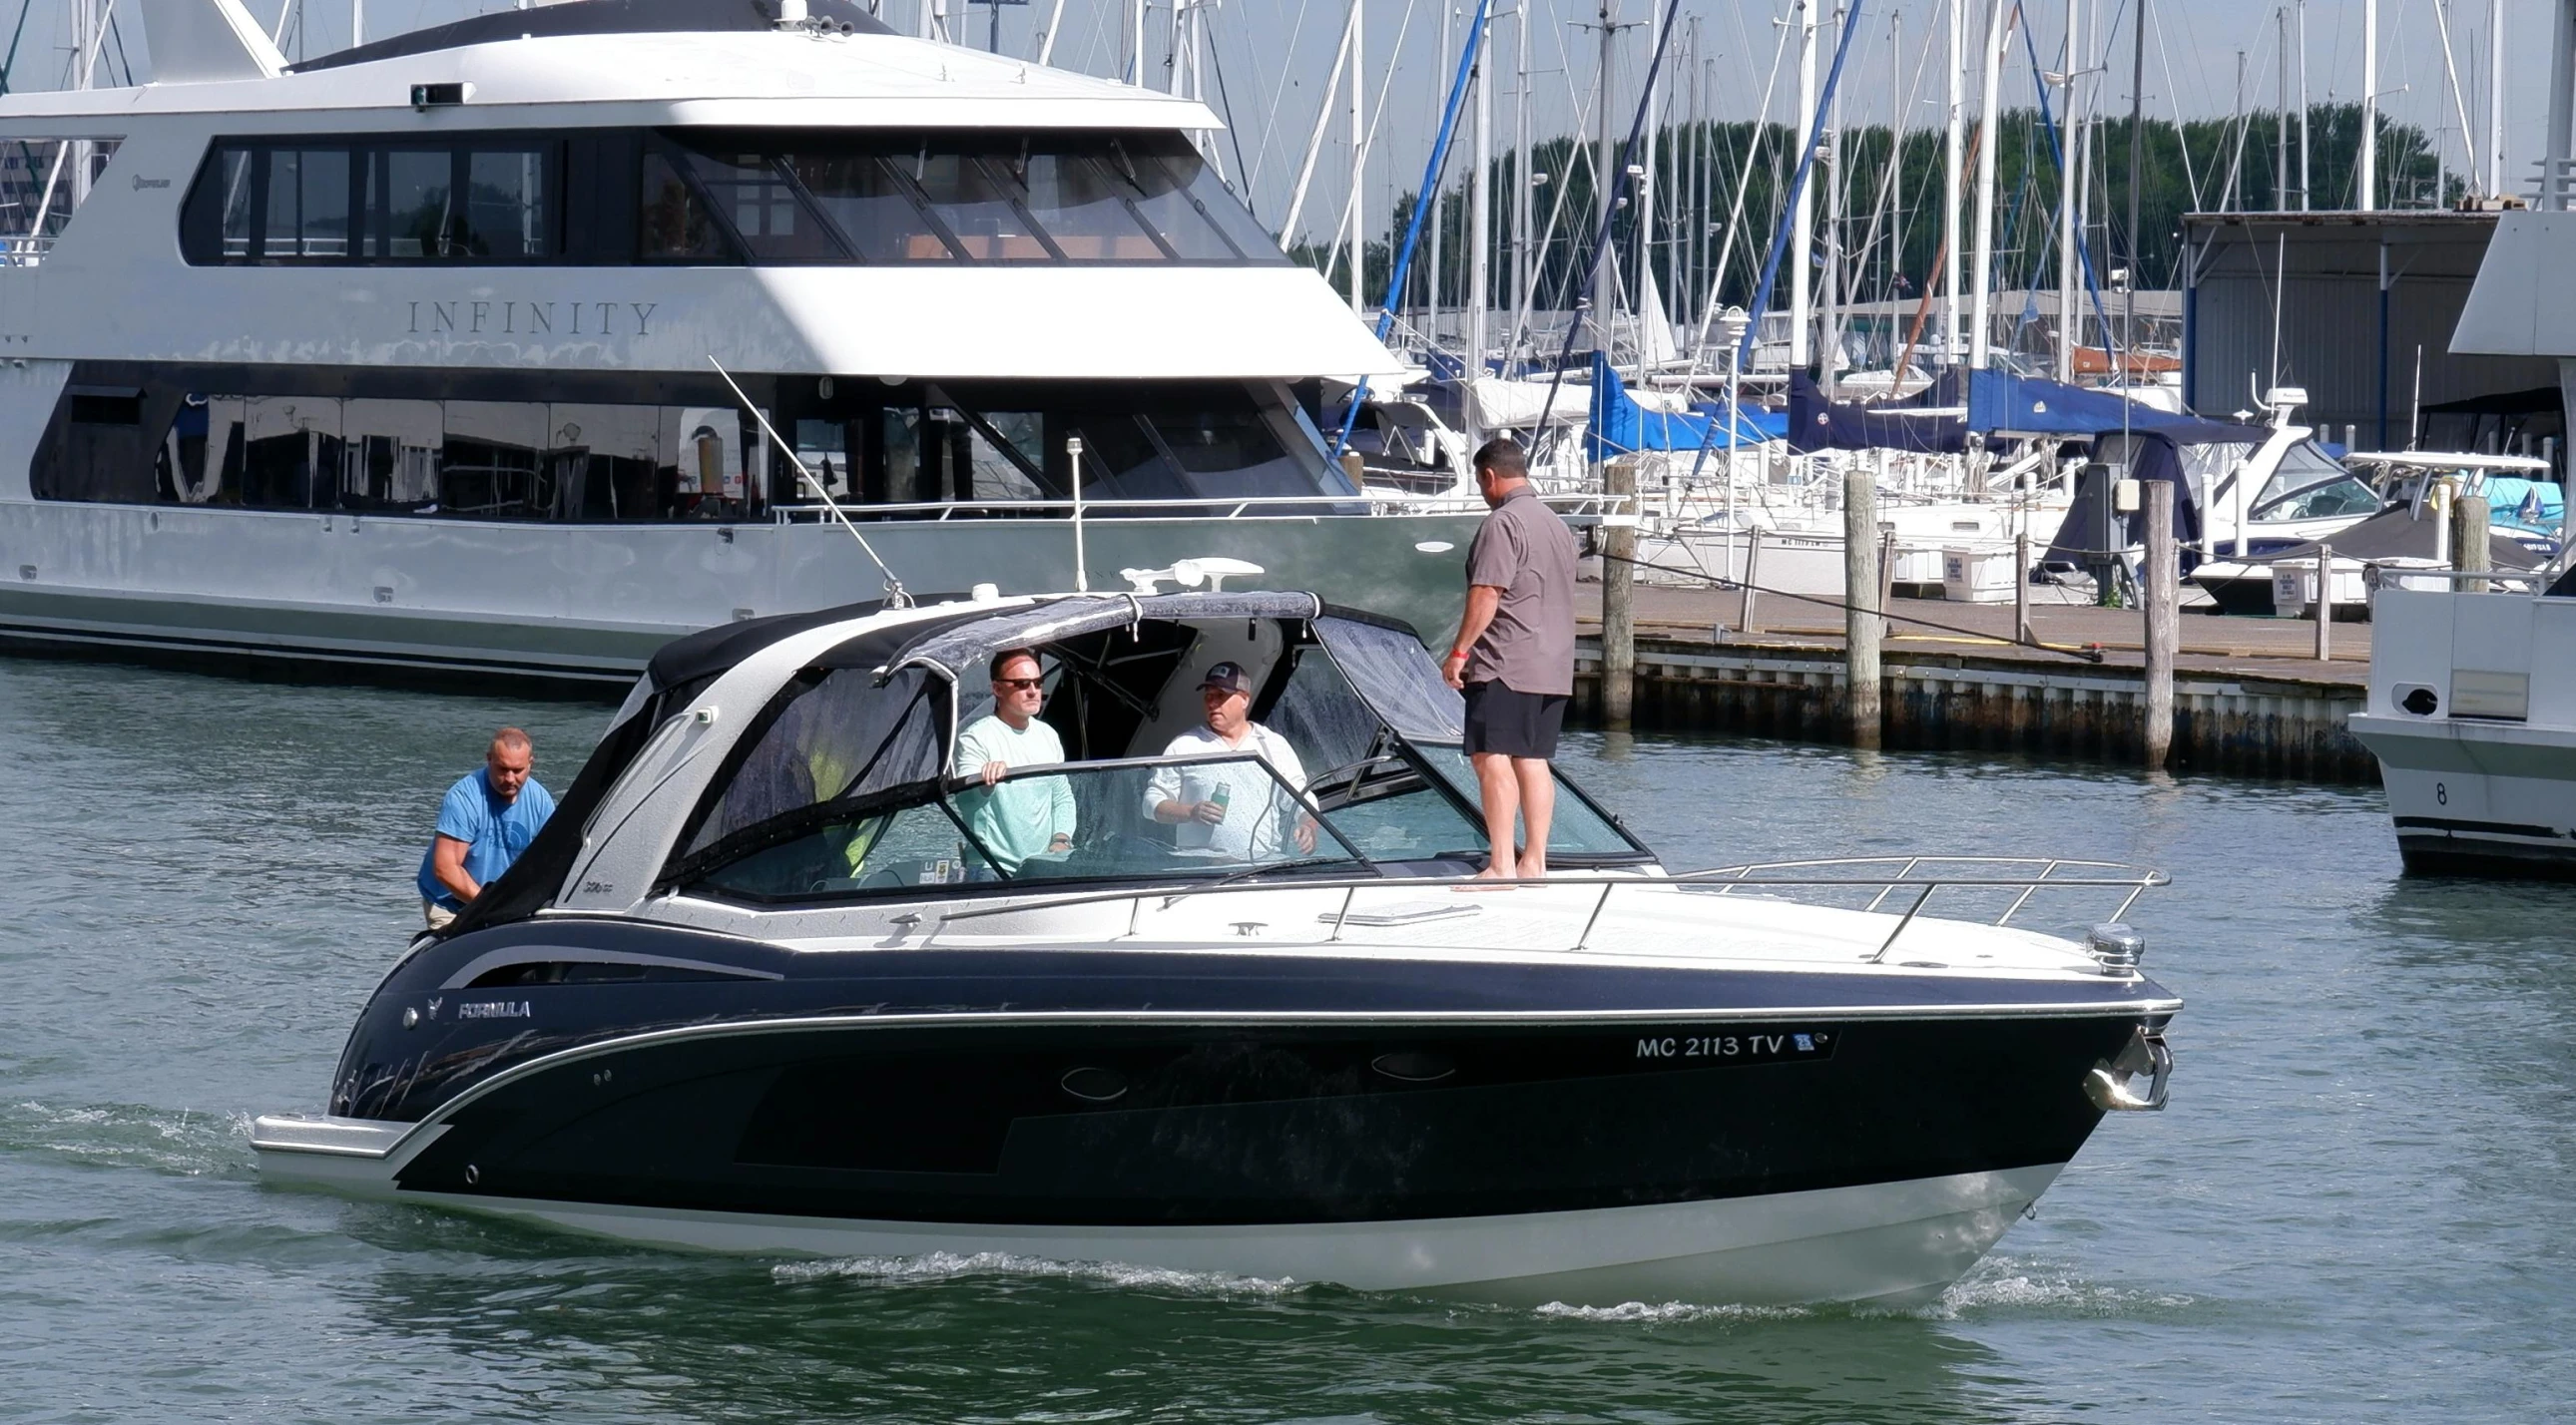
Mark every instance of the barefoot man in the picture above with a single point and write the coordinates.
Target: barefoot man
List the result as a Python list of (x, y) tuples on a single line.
[(1514, 656)]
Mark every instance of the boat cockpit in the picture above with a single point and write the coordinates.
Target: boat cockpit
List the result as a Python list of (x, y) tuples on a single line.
[(835, 777)]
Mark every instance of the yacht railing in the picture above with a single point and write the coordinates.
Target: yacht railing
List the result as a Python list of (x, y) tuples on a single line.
[(2374, 575), (1228, 507), (1842, 876)]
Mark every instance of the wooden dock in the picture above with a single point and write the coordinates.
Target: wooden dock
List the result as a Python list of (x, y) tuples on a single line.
[(2250, 697)]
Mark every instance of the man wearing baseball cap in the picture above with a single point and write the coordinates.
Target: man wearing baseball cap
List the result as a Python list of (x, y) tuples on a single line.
[(1232, 810)]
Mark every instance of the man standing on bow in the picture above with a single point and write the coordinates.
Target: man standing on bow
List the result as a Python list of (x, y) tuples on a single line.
[(486, 820), (1514, 657)]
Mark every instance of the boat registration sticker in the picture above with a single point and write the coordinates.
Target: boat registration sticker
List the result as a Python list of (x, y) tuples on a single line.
[(1737, 1046)]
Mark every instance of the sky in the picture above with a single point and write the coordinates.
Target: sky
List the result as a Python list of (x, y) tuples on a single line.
[(1276, 59)]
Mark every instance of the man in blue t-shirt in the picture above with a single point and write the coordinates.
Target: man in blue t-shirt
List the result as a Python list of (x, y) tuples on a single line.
[(488, 818)]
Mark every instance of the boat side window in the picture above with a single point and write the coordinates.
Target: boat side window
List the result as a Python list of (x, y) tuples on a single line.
[(2310, 484), (463, 459), (756, 196), (874, 210), (972, 202), (489, 200), (674, 223)]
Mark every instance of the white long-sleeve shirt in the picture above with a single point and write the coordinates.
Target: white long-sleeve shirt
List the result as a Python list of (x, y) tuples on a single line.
[(1260, 818), (1019, 818)]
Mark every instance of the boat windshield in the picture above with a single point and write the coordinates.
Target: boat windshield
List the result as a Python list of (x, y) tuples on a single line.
[(2309, 484), (1116, 821)]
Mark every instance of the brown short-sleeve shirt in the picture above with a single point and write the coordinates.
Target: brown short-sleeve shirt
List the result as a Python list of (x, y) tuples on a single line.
[(1526, 551)]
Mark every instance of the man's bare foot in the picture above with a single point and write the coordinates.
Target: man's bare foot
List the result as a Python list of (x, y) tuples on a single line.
[(1490, 879), (1533, 870)]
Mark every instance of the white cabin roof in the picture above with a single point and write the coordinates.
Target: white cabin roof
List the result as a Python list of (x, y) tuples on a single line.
[(750, 78)]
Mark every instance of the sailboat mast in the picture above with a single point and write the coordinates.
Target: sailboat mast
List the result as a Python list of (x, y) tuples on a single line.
[(1802, 232), (2304, 195), (1980, 328), (1521, 176), (1953, 151), (2067, 181), (1605, 280), (2137, 169), (2369, 105), (1832, 160), (1439, 273), (1480, 235), (1359, 161)]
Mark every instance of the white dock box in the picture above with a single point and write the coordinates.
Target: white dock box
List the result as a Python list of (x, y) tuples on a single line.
[(1978, 574)]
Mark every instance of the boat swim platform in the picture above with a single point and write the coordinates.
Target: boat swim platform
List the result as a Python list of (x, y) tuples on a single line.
[(2250, 698)]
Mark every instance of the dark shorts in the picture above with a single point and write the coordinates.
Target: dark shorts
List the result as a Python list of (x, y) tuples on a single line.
[(1515, 724)]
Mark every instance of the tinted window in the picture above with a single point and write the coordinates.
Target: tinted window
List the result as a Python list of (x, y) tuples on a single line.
[(719, 197)]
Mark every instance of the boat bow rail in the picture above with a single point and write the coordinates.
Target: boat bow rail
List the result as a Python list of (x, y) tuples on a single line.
[(2015, 881)]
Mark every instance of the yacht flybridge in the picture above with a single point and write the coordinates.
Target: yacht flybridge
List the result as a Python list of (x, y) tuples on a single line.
[(767, 983), (528, 342)]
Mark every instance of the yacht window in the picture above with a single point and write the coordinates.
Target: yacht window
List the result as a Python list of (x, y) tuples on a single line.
[(1196, 184), (507, 211), (756, 197), (871, 207), (308, 204), (236, 195), (1086, 211), (675, 223), (970, 202), (414, 203)]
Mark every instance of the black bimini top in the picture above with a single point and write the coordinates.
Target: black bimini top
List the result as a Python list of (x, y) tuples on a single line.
[(603, 17)]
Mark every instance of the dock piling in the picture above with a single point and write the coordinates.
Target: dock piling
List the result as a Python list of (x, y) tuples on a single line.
[(2163, 579), (1863, 622), (1744, 624), (1618, 595), (2021, 589), (2469, 540), (2323, 609)]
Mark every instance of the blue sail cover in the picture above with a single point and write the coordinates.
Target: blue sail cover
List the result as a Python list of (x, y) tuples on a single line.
[(2001, 403), (1619, 426), (1929, 424)]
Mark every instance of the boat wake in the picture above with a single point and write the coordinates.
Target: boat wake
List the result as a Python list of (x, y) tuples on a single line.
[(935, 1267), (123, 1135), (2002, 1286)]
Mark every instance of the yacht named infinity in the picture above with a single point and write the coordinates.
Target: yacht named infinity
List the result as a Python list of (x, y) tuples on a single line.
[(485, 348)]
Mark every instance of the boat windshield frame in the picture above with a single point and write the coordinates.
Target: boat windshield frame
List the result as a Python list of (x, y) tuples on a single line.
[(1347, 846), (693, 875), (2272, 497)]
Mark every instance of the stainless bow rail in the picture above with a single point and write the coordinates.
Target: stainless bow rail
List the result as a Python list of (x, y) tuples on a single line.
[(1834, 876)]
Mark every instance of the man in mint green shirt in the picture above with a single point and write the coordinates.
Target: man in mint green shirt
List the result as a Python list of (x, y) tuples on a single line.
[(1030, 816)]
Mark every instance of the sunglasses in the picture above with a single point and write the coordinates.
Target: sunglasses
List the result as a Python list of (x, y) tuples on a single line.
[(1019, 682)]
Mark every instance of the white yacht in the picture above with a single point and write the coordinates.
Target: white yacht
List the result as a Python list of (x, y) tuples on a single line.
[(523, 344)]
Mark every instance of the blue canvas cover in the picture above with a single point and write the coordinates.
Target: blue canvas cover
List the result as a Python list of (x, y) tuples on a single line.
[(1929, 424), (1619, 426), (2001, 403)]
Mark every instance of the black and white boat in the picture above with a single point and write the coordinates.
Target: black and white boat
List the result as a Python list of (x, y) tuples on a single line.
[(759, 987)]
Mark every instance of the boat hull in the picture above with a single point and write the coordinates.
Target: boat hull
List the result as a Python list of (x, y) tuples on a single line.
[(1584, 1132), (2477, 799), (1895, 1245), (420, 599)]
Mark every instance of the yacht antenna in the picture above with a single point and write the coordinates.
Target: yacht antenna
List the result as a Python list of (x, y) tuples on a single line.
[(1081, 567), (896, 597)]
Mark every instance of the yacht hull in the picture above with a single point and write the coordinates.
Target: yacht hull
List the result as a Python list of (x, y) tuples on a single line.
[(1894, 1245), (1591, 1133), (585, 605), (2477, 798)]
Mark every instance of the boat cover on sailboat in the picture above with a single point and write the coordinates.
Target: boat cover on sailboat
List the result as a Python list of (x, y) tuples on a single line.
[(1620, 426)]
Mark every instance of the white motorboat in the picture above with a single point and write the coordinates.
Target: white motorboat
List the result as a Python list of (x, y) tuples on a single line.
[(761, 985)]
